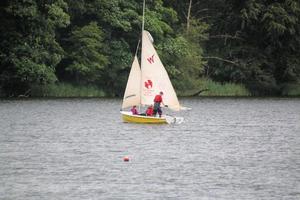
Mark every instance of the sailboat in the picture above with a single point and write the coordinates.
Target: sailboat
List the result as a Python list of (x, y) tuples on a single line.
[(145, 82)]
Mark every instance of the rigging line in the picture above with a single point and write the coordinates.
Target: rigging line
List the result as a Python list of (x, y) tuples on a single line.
[(137, 47)]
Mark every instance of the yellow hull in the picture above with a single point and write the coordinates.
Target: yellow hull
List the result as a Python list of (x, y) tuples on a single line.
[(128, 117)]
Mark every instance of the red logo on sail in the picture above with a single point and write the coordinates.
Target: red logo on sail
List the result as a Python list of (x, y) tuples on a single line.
[(148, 84), (151, 59)]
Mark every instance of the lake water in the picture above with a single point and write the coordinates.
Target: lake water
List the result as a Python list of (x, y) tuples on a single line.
[(74, 149)]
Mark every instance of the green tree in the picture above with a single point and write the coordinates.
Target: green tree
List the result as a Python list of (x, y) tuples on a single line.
[(183, 56), (29, 51), (85, 53), (255, 43), (119, 24)]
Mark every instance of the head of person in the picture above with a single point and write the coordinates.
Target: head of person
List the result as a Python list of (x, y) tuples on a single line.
[(134, 106), (161, 93)]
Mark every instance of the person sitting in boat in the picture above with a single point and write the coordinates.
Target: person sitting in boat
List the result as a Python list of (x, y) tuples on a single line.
[(149, 111), (134, 110), (157, 101)]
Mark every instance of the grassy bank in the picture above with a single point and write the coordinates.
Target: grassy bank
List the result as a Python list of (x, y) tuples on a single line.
[(292, 90), (205, 87), (211, 88), (227, 89), (66, 90)]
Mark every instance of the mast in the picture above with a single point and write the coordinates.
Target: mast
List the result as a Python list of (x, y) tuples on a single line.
[(143, 23), (143, 27)]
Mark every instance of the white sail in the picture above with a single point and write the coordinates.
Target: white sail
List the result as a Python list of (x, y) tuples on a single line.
[(154, 77), (132, 94)]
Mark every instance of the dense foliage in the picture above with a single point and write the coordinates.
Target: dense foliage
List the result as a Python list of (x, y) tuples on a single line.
[(92, 42), (253, 42)]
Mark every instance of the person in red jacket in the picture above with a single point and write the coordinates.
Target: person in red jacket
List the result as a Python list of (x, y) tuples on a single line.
[(149, 111), (157, 101)]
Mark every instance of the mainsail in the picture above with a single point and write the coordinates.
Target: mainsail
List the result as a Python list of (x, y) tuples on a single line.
[(132, 94), (154, 76)]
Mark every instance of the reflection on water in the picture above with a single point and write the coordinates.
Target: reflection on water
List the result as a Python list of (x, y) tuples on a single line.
[(225, 149)]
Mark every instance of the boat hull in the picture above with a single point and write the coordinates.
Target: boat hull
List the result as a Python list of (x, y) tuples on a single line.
[(128, 117)]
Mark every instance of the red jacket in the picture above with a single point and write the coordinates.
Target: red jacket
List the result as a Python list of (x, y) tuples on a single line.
[(158, 99), (149, 111)]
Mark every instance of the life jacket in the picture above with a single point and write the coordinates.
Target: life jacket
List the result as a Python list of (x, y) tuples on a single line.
[(134, 111), (149, 111), (158, 99)]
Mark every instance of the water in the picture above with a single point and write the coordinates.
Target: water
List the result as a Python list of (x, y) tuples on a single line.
[(225, 149)]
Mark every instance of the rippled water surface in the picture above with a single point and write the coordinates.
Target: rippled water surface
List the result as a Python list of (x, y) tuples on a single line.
[(74, 148)]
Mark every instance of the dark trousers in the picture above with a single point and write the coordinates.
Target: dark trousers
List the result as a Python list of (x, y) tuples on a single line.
[(157, 109)]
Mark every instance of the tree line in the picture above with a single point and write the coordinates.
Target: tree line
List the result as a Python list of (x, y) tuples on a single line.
[(92, 42)]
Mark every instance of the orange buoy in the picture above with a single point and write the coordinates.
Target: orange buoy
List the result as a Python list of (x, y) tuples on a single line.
[(126, 159)]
